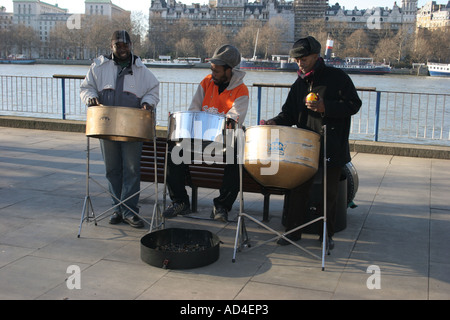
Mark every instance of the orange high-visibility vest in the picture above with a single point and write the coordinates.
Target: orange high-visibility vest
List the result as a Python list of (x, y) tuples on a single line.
[(223, 102)]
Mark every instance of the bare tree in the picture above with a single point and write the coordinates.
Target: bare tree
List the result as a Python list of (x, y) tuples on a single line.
[(318, 29), (98, 35), (215, 36), (7, 42), (185, 47), (139, 29), (387, 50), (25, 40), (439, 46), (357, 44), (182, 38), (58, 42), (158, 33), (420, 53), (271, 36), (245, 40)]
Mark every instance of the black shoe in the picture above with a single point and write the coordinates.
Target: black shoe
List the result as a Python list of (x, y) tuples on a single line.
[(293, 237), (176, 208), (220, 214), (329, 244), (115, 218), (134, 221)]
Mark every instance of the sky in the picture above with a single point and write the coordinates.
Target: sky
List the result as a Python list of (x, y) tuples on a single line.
[(77, 6)]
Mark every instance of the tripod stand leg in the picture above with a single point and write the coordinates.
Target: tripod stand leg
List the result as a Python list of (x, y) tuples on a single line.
[(236, 240), (241, 238), (240, 222), (87, 208), (324, 243), (157, 219), (165, 176), (325, 240), (156, 216)]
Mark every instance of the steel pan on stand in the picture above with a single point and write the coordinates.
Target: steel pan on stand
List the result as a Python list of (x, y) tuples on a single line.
[(201, 135), (280, 156), (119, 124), (203, 129)]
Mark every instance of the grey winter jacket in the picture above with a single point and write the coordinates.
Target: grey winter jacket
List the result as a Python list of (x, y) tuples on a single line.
[(130, 87)]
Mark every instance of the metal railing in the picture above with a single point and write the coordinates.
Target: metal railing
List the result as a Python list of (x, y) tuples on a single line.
[(385, 116)]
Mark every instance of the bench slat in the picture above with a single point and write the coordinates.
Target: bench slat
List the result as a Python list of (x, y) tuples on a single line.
[(201, 175)]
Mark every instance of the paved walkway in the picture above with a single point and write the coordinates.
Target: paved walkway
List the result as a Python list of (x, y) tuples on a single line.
[(394, 246)]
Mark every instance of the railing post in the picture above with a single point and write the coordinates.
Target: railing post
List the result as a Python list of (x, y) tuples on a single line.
[(258, 118), (63, 86), (377, 115)]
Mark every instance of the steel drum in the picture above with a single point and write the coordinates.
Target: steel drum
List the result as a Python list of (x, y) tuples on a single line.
[(352, 181), (280, 156), (203, 128), (120, 123)]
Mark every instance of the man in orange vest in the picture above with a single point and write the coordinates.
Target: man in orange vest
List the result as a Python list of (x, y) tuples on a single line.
[(221, 92)]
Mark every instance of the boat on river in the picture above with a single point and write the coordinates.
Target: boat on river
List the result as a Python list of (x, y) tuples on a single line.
[(17, 59), (354, 65), (439, 69), (278, 63), (359, 65), (167, 62)]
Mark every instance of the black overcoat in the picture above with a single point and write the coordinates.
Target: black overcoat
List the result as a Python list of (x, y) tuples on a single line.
[(341, 101)]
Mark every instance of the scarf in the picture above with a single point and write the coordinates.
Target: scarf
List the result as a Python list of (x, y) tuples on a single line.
[(310, 74)]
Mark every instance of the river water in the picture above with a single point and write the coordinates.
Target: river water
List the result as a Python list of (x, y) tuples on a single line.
[(408, 113), (401, 83)]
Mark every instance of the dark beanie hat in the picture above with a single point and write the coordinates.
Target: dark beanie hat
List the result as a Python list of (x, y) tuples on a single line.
[(120, 36), (304, 47)]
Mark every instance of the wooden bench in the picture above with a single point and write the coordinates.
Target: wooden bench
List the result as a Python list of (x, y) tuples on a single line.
[(200, 175)]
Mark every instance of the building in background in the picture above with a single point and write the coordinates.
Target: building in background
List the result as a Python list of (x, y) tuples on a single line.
[(103, 8), (375, 18), (40, 16), (231, 14), (299, 15), (434, 16), (306, 11), (6, 19), (44, 18)]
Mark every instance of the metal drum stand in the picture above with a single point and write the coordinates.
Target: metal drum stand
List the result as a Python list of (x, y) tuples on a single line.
[(88, 214), (242, 239)]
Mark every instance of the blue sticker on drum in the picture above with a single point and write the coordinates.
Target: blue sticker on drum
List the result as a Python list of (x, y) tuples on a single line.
[(276, 147)]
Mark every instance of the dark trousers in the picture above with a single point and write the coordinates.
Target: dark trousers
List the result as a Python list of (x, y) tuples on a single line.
[(297, 200), (176, 177)]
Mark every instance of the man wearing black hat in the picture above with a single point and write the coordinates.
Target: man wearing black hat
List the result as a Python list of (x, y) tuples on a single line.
[(221, 92), (121, 79), (337, 101)]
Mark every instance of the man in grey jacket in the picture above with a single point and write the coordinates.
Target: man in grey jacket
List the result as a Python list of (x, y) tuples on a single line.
[(121, 79)]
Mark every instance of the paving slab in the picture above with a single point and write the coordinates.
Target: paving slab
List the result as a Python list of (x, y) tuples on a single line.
[(393, 247)]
